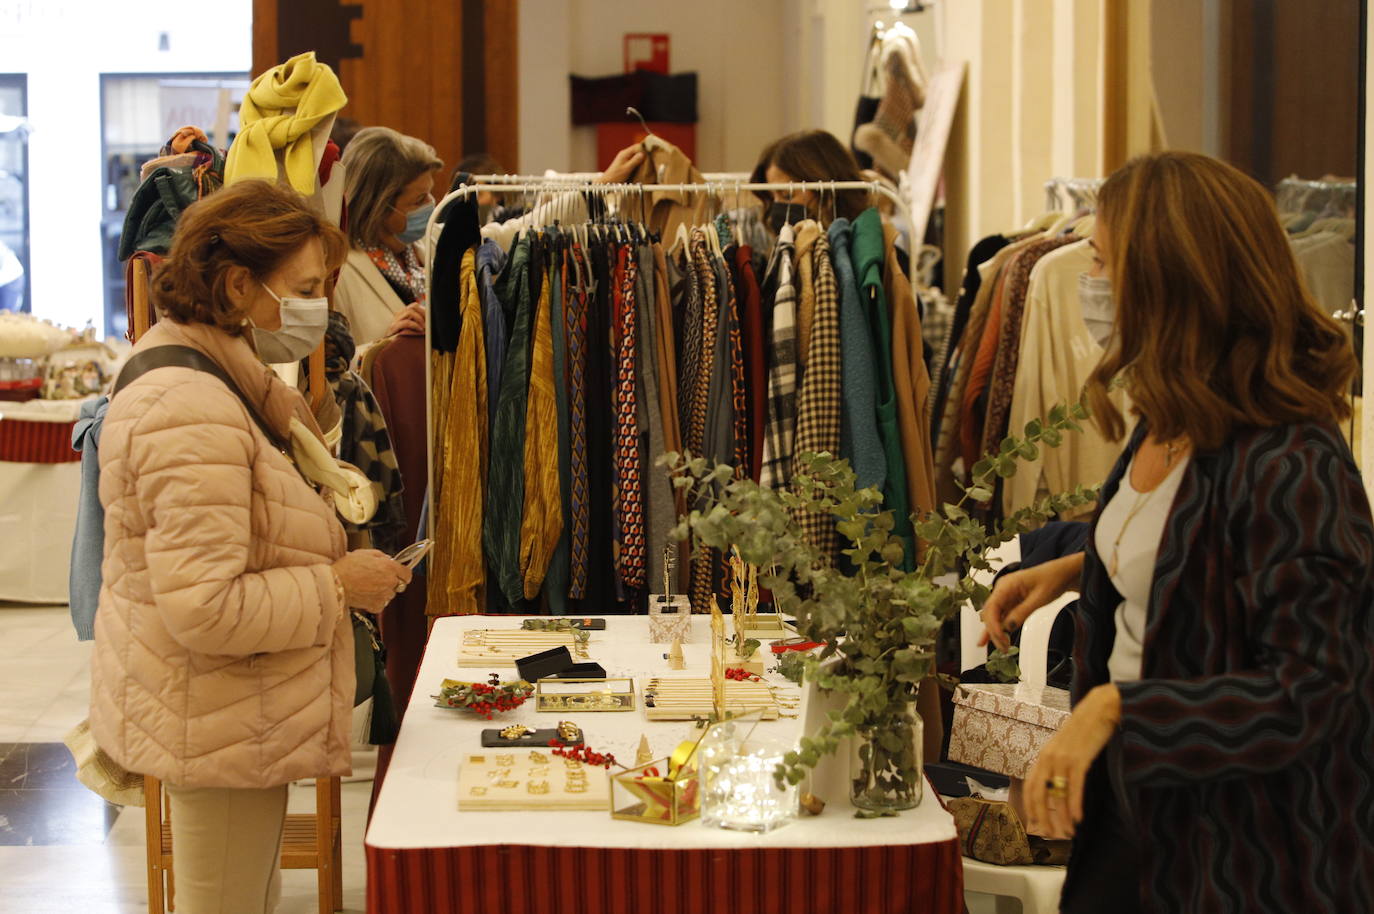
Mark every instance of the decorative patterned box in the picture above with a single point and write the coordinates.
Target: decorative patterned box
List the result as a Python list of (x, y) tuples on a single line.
[(1002, 727), (670, 621)]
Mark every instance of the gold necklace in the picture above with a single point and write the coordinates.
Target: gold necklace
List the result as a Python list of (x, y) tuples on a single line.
[(1141, 498)]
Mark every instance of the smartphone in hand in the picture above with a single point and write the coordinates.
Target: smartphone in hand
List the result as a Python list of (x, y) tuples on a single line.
[(410, 556)]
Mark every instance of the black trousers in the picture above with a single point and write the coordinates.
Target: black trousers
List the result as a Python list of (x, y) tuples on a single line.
[(1104, 868)]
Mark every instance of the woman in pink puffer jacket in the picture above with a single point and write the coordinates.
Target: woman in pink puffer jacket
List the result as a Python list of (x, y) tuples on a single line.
[(223, 657)]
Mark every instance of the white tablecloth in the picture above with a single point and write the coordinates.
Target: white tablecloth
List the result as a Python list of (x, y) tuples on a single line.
[(418, 805), (37, 520)]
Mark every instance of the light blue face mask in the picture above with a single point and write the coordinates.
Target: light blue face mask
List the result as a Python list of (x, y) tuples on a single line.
[(417, 220)]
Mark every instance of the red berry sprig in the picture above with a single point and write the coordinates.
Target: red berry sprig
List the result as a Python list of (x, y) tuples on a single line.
[(740, 674), (583, 754), (486, 698)]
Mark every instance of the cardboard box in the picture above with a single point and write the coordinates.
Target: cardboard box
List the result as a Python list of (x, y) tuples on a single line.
[(1002, 727)]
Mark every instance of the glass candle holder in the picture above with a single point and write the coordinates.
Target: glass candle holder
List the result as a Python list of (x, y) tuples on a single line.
[(739, 791), (656, 794)]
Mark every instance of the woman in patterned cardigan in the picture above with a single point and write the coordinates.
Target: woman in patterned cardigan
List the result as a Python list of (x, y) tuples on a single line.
[(1220, 757)]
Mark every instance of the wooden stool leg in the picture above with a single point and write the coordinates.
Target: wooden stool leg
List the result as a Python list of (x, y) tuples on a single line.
[(167, 868), (324, 857), (336, 827), (152, 808)]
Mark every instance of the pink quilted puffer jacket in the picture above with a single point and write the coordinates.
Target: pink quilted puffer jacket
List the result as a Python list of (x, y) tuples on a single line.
[(223, 656)]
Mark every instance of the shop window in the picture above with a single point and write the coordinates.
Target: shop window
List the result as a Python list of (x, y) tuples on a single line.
[(138, 114), (14, 194)]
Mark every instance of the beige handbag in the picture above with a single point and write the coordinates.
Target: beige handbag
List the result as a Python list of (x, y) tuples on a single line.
[(100, 773)]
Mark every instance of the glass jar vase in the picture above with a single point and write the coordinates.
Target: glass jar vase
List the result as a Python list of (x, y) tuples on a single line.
[(885, 764)]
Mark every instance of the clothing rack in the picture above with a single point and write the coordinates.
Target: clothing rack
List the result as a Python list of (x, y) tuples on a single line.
[(587, 177), (1072, 193), (628, 190), (1296, 195)]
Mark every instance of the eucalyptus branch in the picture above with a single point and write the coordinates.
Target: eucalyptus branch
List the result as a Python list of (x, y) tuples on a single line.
[(877, 622)]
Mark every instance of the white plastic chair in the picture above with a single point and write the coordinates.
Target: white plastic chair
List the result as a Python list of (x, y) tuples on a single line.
[(1035, 633), (1036, 887)]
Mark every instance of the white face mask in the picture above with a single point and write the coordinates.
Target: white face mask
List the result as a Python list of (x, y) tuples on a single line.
[(1099, 306), (303, 323)]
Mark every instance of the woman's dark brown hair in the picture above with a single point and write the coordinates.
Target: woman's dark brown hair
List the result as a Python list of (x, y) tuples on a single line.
[(814, 155), (1215, 329), (253, 224)]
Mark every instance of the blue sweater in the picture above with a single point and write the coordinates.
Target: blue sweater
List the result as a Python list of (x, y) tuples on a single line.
[(88, 545)]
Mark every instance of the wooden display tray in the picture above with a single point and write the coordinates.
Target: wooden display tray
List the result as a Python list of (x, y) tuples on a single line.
[(493, 648), (482, 770), (688, 698)]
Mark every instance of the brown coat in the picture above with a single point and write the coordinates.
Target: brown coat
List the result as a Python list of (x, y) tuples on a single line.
[(911, 379), (223, 654)]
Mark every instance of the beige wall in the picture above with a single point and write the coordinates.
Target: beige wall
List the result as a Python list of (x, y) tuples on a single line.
[(1367, 293), (1180, 54), (1031, 110), (737, 49)]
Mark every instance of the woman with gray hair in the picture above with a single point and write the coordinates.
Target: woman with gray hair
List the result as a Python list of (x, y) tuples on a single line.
[(388, 186)]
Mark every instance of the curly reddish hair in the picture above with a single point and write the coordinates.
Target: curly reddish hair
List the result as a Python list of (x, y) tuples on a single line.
[(253, 224)]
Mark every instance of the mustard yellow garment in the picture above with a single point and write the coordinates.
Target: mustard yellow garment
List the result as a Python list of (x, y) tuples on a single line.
[(310, 92), (542, 520), (464, 460), (441, 559)]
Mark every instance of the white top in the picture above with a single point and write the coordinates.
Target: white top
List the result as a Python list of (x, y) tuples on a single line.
[(418, 805), (1143, 516)]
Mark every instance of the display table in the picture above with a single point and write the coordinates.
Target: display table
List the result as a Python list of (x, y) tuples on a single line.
[(40, 478), (424, 855)]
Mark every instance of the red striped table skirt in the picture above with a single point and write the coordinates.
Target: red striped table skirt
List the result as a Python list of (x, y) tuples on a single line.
[(22, 441), (527, 879)]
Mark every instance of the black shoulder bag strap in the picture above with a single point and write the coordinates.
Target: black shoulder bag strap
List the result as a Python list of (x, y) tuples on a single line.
[(186, 357)]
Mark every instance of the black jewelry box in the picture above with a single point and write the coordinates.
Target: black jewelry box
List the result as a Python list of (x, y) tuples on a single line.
[(556, 663)]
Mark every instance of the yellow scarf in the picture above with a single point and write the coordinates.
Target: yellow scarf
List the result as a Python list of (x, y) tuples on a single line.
[(281, 108)]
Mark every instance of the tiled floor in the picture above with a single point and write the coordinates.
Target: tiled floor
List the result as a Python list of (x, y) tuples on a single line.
[(62, 848)]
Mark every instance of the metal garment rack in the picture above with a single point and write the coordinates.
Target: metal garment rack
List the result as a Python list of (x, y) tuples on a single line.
[(1299, 194), (1077, 192), (588, 177), (637, 191)]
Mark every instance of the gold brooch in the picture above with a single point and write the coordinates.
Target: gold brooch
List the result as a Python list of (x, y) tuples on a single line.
[(505, 760), (539, 758), (515, 731), (506, 785), (575, 787), (537, 786), (478, 791)]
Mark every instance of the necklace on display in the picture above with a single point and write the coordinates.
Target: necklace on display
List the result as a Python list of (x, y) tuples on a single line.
[(1171, 450)]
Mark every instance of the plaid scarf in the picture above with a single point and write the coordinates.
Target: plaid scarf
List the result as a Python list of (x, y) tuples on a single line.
[(405, 273)]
